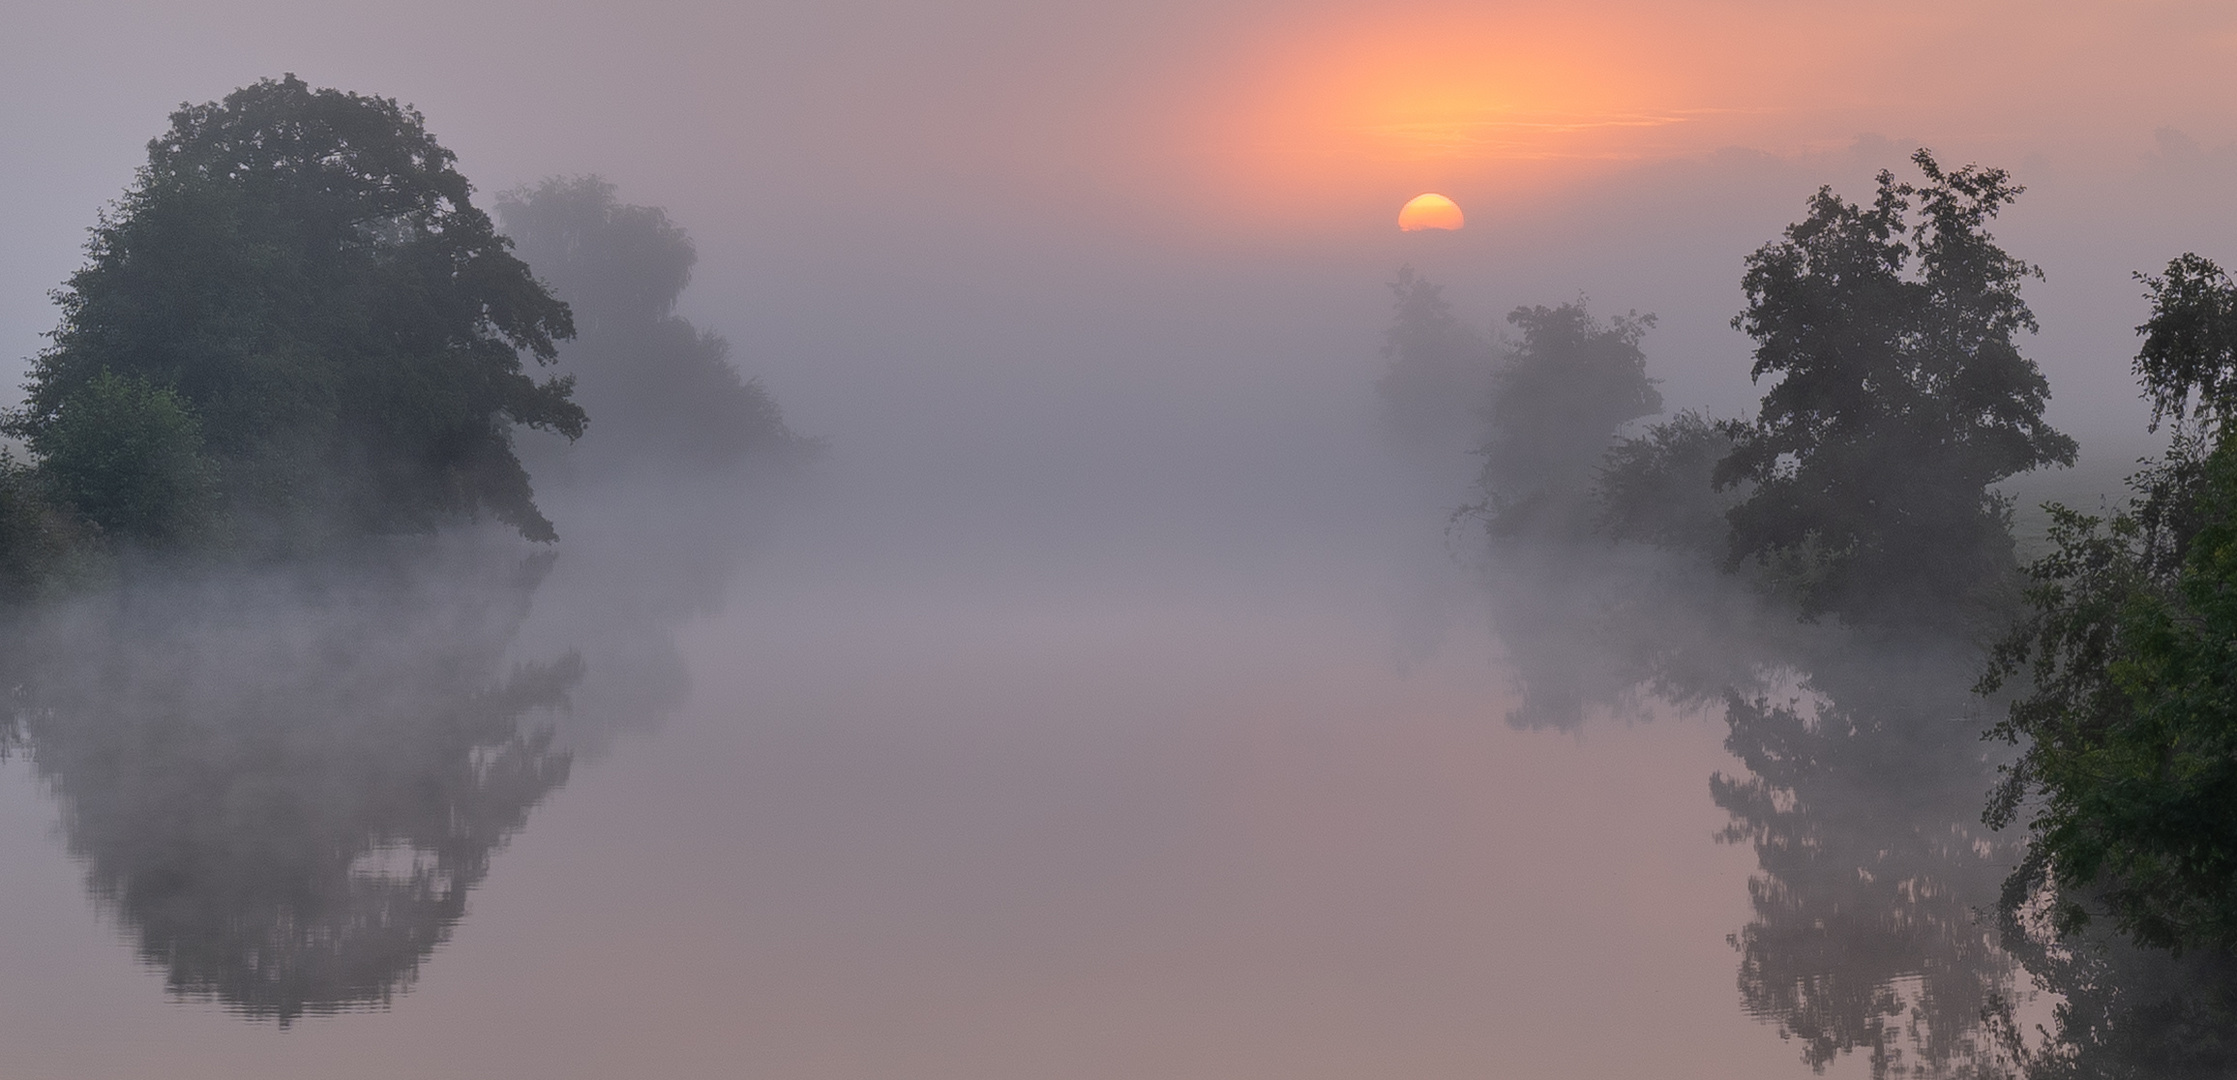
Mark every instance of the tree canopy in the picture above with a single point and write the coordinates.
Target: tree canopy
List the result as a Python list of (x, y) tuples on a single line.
[(304, 269), (1901, 396), (2188, 362), (2129, 719)]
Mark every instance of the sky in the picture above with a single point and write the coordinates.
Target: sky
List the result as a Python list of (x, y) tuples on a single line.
[(1069, 221)]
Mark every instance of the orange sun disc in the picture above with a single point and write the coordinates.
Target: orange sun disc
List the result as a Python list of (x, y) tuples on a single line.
[(1430, 211)]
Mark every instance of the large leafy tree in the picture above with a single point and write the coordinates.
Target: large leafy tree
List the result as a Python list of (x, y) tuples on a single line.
[(306, 271), (1900, 397), (2129, 777)]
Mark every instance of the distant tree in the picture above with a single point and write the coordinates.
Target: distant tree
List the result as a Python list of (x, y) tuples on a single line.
[(1437, 372), (305, 270), (1555, 405), (1901, 397), (664, 391)]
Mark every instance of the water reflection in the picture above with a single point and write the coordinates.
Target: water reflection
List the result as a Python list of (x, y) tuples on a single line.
[(1593, 628), (284, 787), (2122, 1011), (1872, 928), (1860, 778), (283, 782), (1876, 929)]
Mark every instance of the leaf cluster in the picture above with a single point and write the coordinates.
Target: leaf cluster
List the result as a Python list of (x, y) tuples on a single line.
[(1655, 487), (128, 455), (2188, 362), (2130, 722), (2129, 656)]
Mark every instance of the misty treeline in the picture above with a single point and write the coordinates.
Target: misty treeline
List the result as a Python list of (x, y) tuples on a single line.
[(296, 332), (1838, 573), (1864, 487)]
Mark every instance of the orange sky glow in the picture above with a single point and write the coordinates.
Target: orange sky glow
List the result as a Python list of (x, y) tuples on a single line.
[(1361, 109)]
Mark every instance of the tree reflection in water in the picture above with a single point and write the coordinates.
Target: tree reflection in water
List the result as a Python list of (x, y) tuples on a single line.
[(1862, 776), (1861, 781), (1873, 929), (283, 787), (284, 782), (2122, 1011)]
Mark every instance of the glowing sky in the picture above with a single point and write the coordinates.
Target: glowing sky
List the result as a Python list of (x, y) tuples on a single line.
[(1528, 97), (1246, 112)]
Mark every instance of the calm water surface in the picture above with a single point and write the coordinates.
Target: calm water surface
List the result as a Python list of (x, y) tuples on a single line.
[(845, 803)]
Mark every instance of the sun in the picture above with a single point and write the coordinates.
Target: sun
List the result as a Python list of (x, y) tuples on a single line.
[(1430, 211)]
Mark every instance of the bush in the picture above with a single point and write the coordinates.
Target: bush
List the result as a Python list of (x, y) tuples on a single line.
[(126, 455)]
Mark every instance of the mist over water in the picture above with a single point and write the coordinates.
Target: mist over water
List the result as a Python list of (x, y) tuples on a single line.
[(1081, 677)]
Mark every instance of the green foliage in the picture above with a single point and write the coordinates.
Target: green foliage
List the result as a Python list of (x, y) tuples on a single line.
[(1555, 404), (2130, 716), (126, 455), (1901, 397), (2131, 720), (2188, 364), (664, 391), (305, 269), (38, 541)]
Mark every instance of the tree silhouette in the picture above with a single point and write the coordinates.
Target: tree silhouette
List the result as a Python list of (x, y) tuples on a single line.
[(306, 271), (1437, 371), (1556, 404), (1901, 396)]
